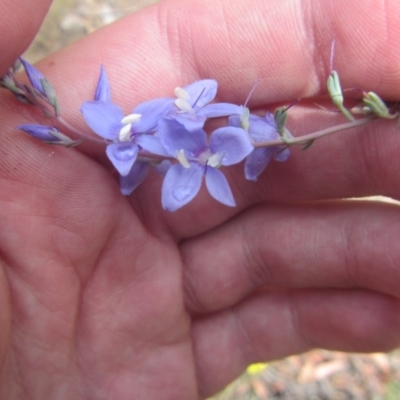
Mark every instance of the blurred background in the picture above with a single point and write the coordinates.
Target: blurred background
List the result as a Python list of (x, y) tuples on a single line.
[(317, 375), (68, 20)]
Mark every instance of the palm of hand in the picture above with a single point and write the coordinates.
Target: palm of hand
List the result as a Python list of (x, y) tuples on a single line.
[(96, 299)]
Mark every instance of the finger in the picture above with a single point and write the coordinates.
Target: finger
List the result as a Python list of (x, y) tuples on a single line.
[(19, 22), (157, 42), (285, 47), (275, 324), (335, 245), (359, 163)]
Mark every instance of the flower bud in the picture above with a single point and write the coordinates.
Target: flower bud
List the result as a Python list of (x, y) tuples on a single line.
[(47, 134), (336, 95), (8, 82), (376, 105), (16, 66), (35, 77), (280, 116), (50, 95)]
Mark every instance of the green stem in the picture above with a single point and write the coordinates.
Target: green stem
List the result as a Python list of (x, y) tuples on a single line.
[(316, 135)]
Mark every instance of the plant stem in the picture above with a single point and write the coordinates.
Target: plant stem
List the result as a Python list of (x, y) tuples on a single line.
[(316, 135), (77, 132)]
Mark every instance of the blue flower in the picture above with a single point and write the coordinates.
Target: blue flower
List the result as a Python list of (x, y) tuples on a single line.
[(121, 132), (127, 135), (261, 130), (109, 122), (191, 106), (197, 158)]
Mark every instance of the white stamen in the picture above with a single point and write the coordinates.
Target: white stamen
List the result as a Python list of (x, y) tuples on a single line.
[(181, 93), (125, 133), (215, 160), (129, 119), (183, 105), (182, 158)]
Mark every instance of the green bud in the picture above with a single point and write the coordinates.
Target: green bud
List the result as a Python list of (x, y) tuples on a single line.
[(280, 116), (8, 82), (335, 89), (376, 105), (23, 99), (56, 106), (63, 140), (16, 66), (336, 95), (50, 95)]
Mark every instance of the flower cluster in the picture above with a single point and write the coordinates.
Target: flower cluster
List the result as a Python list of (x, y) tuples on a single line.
[(170, 129), (169, 134)]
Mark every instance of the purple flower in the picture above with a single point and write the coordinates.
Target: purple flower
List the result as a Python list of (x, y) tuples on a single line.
[(193, 108), (110, 123), (261, 130), (108, 120), (197, 158), (152, 112), (190, 107)]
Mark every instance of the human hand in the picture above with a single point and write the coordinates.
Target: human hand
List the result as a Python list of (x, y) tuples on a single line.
[(105, 296)]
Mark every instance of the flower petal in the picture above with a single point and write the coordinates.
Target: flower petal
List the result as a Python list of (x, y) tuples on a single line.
[(174, 137), (34, 75), (256, 162), (201, 92), (234, 143), (191, 122), (216, 110), (281, 155), (218, 187), (134, 178), (260, 129), (152, 144), (151, 112), (122, 155), (103, 91), (163, 167), (234, 120), (103, 117), (181, 185)]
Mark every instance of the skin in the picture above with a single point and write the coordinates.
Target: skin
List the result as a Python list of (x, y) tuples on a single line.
[(104, 296)]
